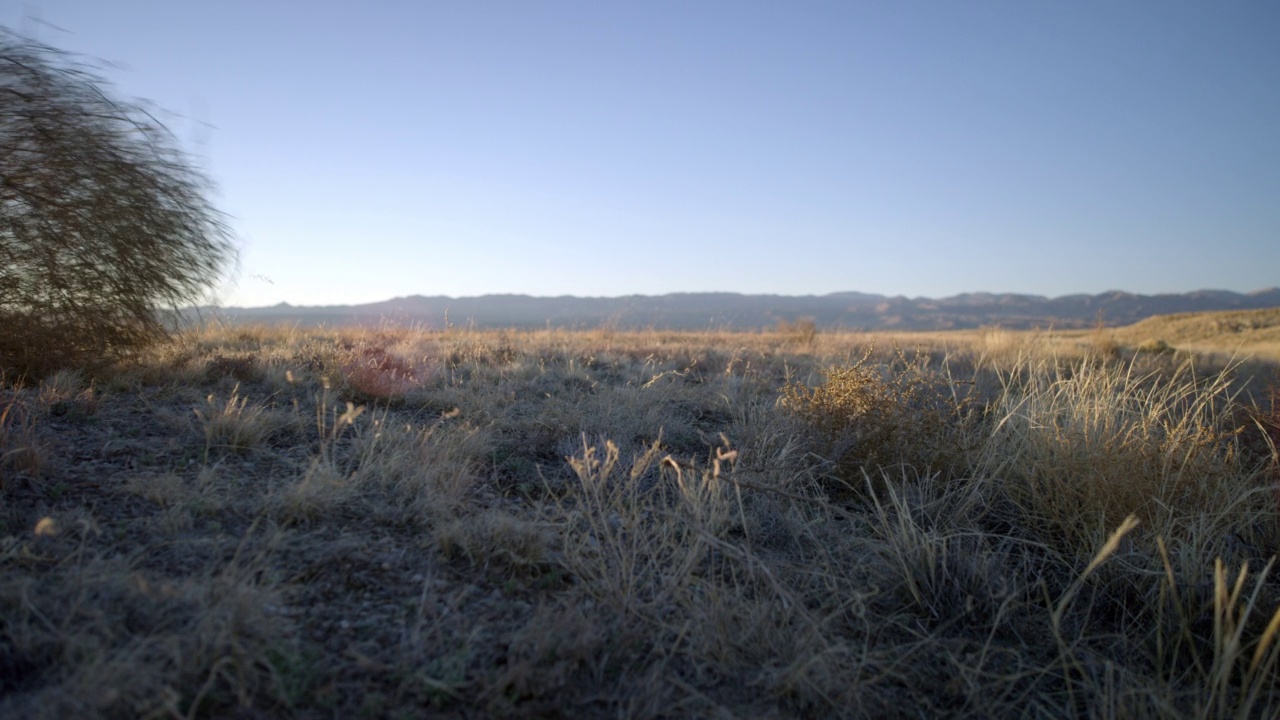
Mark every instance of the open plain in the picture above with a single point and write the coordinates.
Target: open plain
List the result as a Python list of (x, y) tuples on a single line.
[(261, 522)]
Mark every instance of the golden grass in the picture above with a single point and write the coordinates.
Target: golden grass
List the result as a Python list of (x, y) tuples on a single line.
[(1084, 447), (1238, 333), (393, 523)]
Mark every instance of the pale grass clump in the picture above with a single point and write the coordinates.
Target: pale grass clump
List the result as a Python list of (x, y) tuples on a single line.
[(280, 379), (61, 387), (495, 538), (235, 424), (1080, 448), (398, 473), (770, 449), (428, 473), (182, 501), (673, 549), (327, 487), (930, 545), (1143, 634), (619, 535), (322, 490), (1209, 648), (997, 346)]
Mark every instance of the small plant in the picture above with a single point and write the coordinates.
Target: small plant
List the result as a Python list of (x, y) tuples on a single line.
[(242, 368), (1155, 347), (322, 490), (66, 393), (235, 424), (638, 531), (802, 331), (372, 373), (21, 452), (495, 539), (867, 417), (1103, 341)]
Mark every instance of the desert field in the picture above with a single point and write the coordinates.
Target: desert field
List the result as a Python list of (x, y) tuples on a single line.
[(258, 522)]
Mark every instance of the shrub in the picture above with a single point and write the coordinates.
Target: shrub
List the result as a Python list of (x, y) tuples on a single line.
[(802, 330), (103, 220), (1155, 347), (865, 418)]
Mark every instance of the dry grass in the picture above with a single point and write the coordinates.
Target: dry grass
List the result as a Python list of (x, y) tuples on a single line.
[(259, 522), (1232, 333), (22, 454), (1083, 447)]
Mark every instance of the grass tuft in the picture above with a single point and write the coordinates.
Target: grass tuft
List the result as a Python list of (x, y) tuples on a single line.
[(234, 424)]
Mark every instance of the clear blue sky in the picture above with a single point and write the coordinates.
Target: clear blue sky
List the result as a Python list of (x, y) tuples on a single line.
[(377, 149)]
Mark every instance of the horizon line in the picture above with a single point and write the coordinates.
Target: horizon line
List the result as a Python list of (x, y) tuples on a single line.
[(285, 303)]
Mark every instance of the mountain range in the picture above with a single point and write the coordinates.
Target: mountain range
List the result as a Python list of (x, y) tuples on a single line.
[(703, 311)]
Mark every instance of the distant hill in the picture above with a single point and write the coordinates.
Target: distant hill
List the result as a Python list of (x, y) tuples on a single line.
[(1239, 332), (1194, 327), (701, 311)]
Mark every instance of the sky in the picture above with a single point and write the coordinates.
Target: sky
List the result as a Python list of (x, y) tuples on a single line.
[(371, 150)]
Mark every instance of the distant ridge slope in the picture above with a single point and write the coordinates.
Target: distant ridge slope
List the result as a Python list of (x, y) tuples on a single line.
[(701, 311), (1224, 328)]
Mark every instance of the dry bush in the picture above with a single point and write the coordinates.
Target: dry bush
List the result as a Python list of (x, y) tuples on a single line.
[(103, 220), (1155, 346), (801, 331), (1102, 340), (244, 368), (370, 371), (866, 417)]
